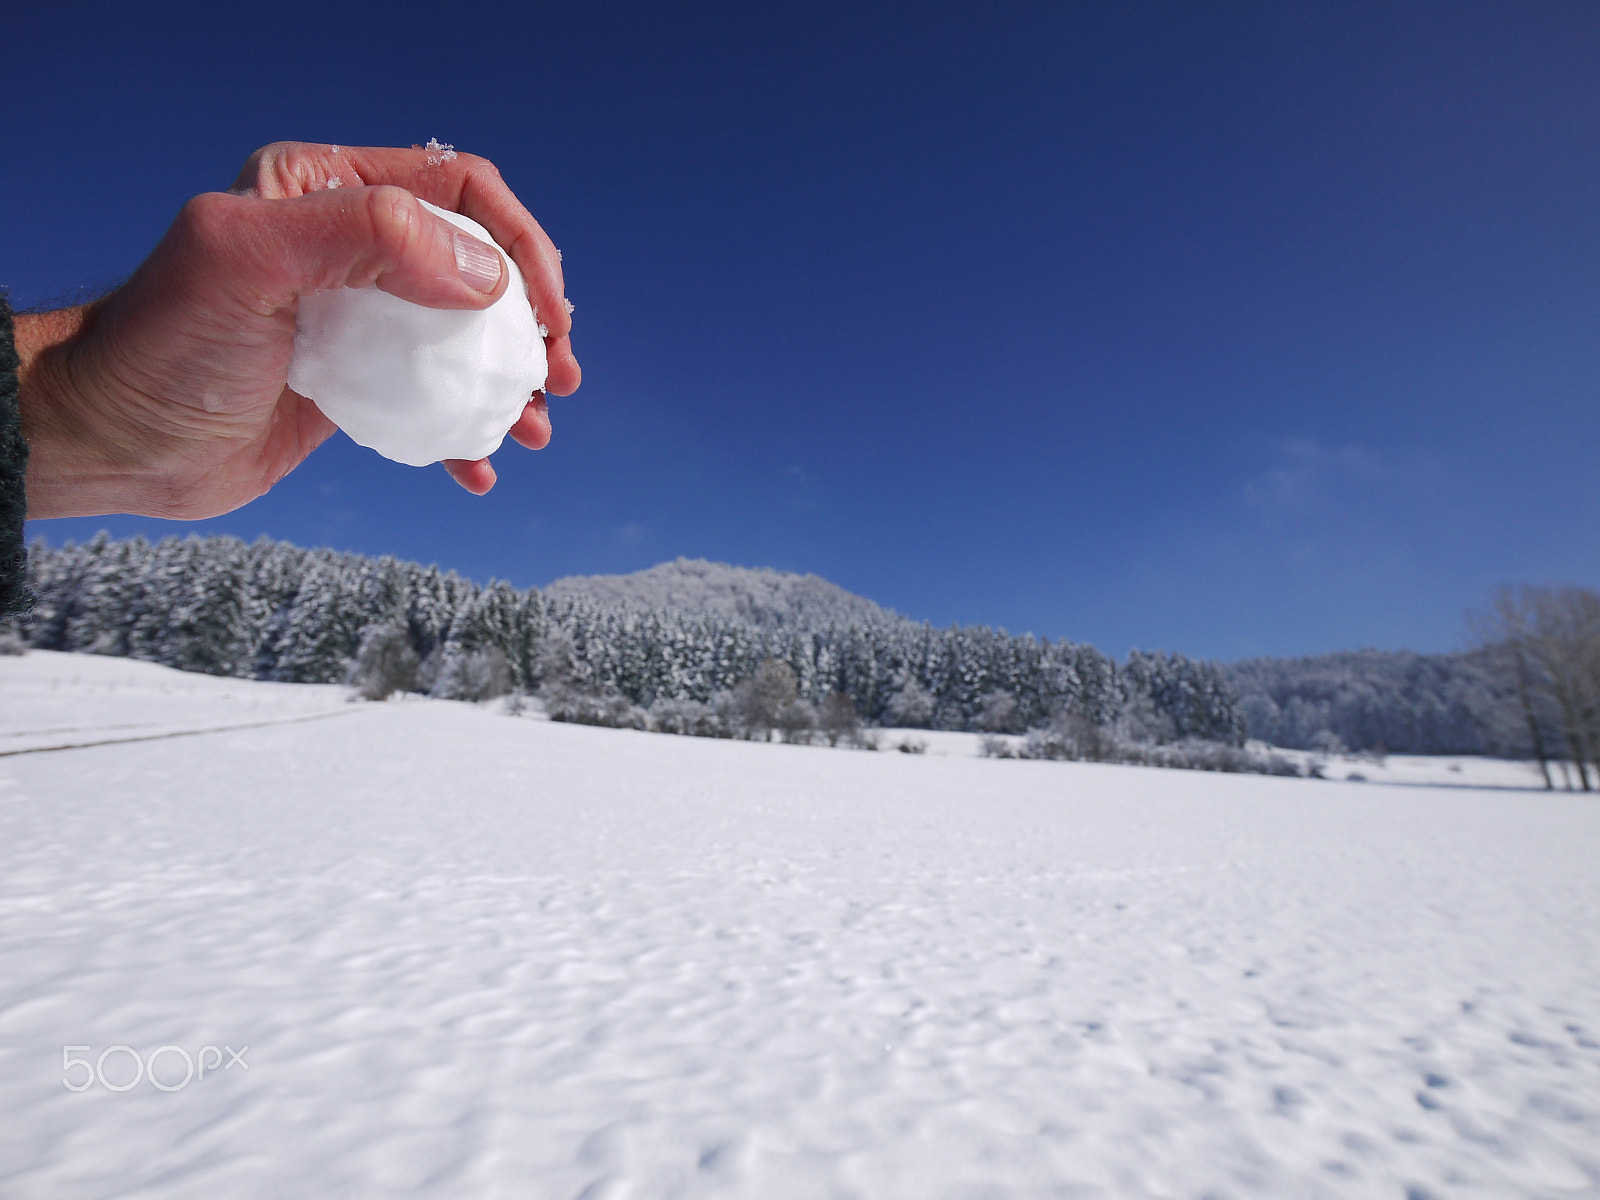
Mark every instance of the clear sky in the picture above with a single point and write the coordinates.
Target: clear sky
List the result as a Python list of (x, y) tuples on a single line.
[(1228, 329)]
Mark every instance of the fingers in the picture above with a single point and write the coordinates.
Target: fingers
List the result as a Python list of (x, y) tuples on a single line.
[(485, 198), (564, 373), (463, 183), (354, 221), (286, 169), (476, 475), (273, 252), (533, 426), (531, 430)]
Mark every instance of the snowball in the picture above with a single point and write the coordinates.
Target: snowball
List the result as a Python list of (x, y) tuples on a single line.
[(420, 384)]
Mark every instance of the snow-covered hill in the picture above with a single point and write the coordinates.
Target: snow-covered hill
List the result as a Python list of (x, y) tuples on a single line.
[(461, 953), (761, 596)]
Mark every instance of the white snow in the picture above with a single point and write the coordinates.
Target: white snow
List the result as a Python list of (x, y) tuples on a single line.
[(469, 954), (1424, 770), (420, 384), (51, 699)]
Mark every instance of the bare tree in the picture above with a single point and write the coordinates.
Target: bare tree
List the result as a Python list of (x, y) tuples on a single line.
[(999, 712), (1545, 644), (837, 718), (385, 662), (460, 674), (1503, 634), (770, 700), (1564, 644)]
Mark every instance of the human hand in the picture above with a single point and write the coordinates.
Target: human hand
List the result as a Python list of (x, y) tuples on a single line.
[(169, 397)]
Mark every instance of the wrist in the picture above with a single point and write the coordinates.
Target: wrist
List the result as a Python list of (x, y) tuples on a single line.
[(69, 474)]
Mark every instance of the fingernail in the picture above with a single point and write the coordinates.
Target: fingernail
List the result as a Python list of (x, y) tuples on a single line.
[(478, 264)]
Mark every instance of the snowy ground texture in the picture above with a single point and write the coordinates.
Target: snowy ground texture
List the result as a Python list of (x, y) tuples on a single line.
[(473, 955)]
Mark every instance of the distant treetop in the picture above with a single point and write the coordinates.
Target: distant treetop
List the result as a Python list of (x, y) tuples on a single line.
[(759, 596)]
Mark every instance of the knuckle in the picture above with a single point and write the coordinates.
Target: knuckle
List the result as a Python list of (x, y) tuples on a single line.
[(478, 166), (250, 174), (203, 218), (269, 160), (291, 168), (393, 217), (282, 169)]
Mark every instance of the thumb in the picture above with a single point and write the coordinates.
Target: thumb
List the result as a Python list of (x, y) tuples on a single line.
[(345, 237)]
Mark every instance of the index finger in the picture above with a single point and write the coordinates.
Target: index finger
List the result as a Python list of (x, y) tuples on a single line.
[(472, 186), (463, 183)]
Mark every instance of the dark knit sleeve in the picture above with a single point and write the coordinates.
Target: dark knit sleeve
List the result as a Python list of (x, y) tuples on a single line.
[(13, 466)]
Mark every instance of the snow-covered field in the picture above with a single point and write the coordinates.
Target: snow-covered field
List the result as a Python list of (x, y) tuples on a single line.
[(463, 954)]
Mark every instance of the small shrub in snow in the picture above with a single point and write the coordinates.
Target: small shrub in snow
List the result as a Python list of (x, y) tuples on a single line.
[(797, 722), (385, 663), (768, 702), (1276, 764), (994, 745), (472, 675), (579, 707), (837, 718), (689, 718), (838, 722), (1327, 743), (998, 713), (865, 739), (912, 745), (911, 704), (1071, 737)]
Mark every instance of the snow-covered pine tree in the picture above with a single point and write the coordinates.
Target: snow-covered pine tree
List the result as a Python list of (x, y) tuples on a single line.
[(320, 631), (208, 628)]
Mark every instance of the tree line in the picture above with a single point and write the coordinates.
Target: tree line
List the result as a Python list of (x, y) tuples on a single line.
[(1385, 701), (1528, 688), (272, 610)]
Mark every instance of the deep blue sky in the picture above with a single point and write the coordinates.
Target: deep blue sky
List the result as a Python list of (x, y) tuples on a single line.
[(1227, 329)]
